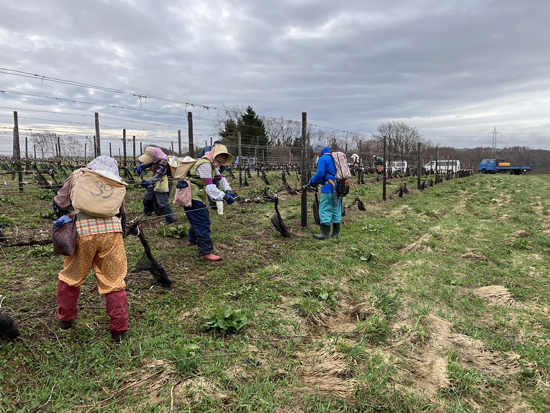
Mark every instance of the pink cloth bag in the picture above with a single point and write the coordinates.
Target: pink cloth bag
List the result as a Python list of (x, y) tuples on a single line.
[(183, 196)]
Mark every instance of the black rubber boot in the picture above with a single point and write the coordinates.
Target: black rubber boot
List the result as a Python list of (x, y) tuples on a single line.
[(335, 230), (325, 232), (66, 325), (118, 337)]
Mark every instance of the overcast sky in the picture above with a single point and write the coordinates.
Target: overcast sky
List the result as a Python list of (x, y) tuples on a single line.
[(455, 70)]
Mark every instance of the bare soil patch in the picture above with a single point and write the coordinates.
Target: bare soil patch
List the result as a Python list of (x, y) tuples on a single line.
[(417, 245), (472, 256), (495, 295), (326, 371), (427, 363)]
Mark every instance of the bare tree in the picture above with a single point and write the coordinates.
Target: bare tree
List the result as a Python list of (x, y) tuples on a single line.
[(281, 132), (47, 145), (71, 147), (227, 116), (401, 139)]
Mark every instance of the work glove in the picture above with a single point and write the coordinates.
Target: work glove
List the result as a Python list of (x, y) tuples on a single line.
[(231, 194), (229, 198), (140, 169), (145, 184), (59, 222)]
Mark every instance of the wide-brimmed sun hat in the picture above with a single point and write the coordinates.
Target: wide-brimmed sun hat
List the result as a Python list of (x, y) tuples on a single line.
[(146, 157), (152, 153), (220, 149)]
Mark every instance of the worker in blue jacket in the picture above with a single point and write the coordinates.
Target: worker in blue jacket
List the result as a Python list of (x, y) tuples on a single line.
[(330, 206)]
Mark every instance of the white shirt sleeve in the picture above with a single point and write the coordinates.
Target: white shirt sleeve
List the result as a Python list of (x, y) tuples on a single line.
[(214, 193), (224, 185)]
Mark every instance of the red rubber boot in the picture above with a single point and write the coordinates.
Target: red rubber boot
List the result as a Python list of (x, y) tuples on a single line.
[(211, 257)]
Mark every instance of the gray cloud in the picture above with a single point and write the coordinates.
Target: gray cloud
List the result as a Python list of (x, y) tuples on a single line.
[(454, 70)]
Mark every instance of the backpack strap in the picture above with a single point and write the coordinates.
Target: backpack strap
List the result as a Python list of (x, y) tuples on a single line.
[(325, 173)]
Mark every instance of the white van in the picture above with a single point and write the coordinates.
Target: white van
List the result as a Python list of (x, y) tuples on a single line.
[(443, 166), (397, 166)]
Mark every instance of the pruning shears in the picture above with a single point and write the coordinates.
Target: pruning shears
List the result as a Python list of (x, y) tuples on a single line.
[(310, 186)]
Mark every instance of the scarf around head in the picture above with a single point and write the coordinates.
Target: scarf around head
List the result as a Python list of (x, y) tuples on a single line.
[(209, 155), (104, 163), (157, 153)]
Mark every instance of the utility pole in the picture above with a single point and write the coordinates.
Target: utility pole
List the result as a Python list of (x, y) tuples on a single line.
[(494, 140)]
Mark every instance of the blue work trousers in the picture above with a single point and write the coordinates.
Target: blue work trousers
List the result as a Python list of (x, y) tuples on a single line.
[(199, 230), (328, 212)]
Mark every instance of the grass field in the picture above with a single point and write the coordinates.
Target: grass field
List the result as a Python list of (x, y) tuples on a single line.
[(437, 301)]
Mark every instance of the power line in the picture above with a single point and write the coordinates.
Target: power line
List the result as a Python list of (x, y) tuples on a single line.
[(84, 115), (140, 96)]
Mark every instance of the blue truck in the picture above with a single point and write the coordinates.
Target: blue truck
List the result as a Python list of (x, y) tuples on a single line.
[(493, 166)]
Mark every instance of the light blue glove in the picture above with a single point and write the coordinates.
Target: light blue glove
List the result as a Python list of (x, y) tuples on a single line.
[(59, 222)]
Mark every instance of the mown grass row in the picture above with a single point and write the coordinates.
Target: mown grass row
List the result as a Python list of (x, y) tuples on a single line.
[(410, 260)]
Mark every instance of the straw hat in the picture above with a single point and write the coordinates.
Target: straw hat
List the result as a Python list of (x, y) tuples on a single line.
[(146, 157), (222, 150)]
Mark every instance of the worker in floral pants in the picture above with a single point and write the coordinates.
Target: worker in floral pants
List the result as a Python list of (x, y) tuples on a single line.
[(100, 246)]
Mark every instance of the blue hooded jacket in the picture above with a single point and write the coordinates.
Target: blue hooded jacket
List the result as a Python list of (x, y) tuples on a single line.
[(326, 169)]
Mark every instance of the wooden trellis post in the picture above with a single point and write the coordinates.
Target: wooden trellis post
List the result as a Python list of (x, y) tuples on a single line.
[(418, 168), (97, 139), (190, 134), (17, 150), (436, 170), (240, 160), (384, 173), (256, 156), (124, 152), (305, 168)]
